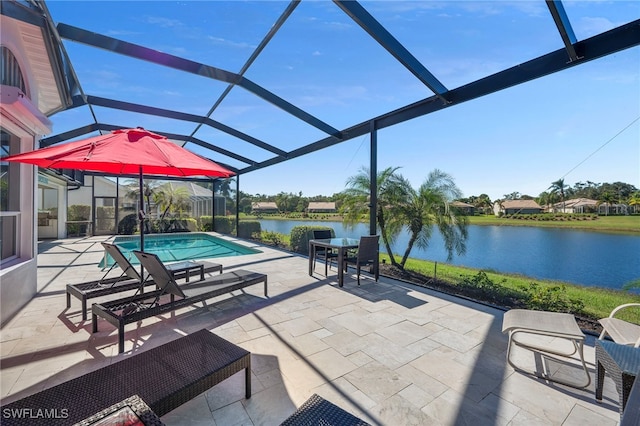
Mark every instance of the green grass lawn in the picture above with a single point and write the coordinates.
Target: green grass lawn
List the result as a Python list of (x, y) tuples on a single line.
[(624, 224), (598, 302)]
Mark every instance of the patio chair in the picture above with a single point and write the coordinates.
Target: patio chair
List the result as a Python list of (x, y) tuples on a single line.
[(130, 279), (135, 308), (368, 254), (621, 331), (318, 411), (321, 252)]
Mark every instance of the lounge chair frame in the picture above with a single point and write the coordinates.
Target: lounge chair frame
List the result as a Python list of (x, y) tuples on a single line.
[(621, 331), (129, 279), (135, 308), (164, 377), (552, 324)]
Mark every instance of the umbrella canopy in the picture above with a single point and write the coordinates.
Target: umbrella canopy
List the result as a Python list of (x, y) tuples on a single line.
[(125, 151)]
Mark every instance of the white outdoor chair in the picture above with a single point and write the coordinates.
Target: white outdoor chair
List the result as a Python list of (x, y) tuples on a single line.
[(621, 331)]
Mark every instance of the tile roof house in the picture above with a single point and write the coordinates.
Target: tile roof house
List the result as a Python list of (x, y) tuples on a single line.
[(321, 207), (465, 208), (516, 207), (576, 205), (264, 207)]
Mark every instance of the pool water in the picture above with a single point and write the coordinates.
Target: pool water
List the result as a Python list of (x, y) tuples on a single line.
[(176, 247)]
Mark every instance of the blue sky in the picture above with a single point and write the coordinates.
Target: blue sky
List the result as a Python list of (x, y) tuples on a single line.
[(580, 124)]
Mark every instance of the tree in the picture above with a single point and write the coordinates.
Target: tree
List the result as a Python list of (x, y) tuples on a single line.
[(513, 196), (399, 206), (392, 191), (149, 188), (429, 208), (607, 198), (548, 199), (559, 187), (483, 202), (171, 199)]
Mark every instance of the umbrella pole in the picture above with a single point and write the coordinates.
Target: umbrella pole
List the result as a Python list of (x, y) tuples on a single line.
[(141, 216)]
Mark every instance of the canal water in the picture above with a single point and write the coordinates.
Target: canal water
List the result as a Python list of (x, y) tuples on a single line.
[(579, 257)]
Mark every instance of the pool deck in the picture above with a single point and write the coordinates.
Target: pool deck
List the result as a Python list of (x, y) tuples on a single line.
[(389, 352)]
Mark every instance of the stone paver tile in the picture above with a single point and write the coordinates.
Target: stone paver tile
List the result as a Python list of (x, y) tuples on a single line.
[(396, 410), (367, 323), (423, 346), (300, 326), (269, 407), (195, 412), (359, 358), (330, 363), (430, 386), (451, 408), (233, 415), (322, 333), (387, 352), (404, 333), (537, 397), (345, 342), (502, 409), (377, 381), (454, 340), (581, 416), (306, 344), (229, 391), (525, 418), (473, 384)]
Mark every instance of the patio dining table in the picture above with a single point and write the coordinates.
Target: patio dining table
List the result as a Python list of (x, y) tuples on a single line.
[(339, 244)]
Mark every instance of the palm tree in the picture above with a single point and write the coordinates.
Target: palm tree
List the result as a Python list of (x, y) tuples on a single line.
[(170, 198), (559, 186), (607, 198), (392, 191), (429, 208), (634, 199)]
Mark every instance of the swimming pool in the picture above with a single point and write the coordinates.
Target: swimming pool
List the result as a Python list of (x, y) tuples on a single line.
[(175, 247)]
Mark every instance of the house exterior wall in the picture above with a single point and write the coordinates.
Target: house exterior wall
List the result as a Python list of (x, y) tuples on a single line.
[(20, 118), (18, 275)]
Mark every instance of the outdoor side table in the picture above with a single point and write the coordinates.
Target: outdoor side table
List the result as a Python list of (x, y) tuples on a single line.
[(176, 269), (132, 410), (622, 362)]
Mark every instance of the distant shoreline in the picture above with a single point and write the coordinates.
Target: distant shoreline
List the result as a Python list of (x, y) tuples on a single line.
[(628, 225)]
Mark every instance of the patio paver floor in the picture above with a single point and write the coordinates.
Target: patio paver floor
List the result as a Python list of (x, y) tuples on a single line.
[(388, 352)]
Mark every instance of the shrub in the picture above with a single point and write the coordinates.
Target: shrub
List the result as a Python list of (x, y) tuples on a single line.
[(79, 212), (223, 224), (275, 238), (551, 298), (249, 227), (127, 225), (300, 236)]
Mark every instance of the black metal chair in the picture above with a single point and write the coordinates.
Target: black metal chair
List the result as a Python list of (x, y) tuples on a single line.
[(321, 252), (368, 254)]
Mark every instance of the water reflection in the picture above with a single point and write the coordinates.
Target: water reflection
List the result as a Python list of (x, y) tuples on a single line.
[(580, 257)]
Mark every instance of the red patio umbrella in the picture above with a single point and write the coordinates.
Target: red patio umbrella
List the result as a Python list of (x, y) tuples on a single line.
[(122, 152)]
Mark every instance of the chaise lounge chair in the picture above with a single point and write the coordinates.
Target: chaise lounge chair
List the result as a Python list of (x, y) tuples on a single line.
[(140, 306), (621, 331), (522, 322), (130, 279)]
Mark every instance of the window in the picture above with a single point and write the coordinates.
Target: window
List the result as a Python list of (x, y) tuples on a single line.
[(9, 197), (10, 73)]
